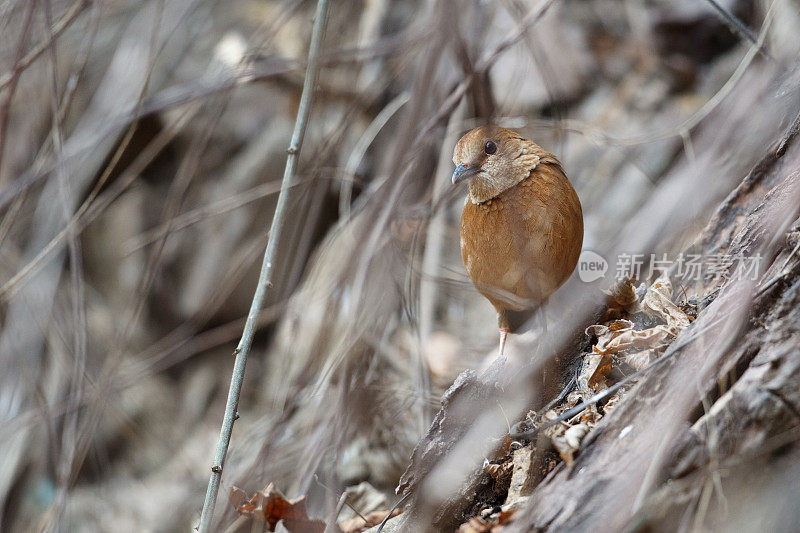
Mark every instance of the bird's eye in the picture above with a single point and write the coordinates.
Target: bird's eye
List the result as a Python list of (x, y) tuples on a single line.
[(490, 147)]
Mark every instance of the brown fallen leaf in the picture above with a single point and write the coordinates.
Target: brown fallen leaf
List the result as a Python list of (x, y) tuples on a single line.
[(505, 516), (590, 416), (271, 506), (621, 299), (639, 347), (620, 335), (500, 473), (611, 403), (595, 371)]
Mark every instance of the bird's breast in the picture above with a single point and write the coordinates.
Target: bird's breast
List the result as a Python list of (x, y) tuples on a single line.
[(520, 246)]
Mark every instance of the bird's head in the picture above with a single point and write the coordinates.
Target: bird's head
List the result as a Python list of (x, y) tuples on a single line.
[(495, 159)]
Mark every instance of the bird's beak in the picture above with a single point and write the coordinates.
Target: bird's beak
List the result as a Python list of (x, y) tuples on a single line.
[(464, 172)]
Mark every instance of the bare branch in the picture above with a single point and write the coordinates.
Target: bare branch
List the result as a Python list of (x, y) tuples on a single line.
[(265, 278), (740, 28)]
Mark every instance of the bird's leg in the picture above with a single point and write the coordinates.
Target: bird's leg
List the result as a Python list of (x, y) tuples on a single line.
[(503, 335), (541, 320), (541, 337)]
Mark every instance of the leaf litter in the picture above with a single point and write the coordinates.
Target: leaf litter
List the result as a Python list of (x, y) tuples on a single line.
[(638, 326)]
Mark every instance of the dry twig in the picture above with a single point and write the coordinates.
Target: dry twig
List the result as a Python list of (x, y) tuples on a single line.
[(265, 278)]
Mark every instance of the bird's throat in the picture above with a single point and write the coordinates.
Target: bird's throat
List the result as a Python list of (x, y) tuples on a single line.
[(482, 190)]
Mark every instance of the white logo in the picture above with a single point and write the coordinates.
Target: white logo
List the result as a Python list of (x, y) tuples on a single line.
[(591, 266)]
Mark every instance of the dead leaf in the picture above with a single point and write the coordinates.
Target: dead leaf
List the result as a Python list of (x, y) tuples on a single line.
[(640, 360), (475, 525), (492, 524), (357, 524), (611, 403), (501, 473), (505, 516), (570, 442), (271, 506), (237, 497), (658, 303), (365, 498), (590, 416), (595, 370), (622, 298), (620, 335)]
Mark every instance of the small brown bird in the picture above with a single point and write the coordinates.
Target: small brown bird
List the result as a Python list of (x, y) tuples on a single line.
[(522, 225)]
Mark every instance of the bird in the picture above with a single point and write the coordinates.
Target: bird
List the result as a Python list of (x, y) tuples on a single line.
[(522, 222)]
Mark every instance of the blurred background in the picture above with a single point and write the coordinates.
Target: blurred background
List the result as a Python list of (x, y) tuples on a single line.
[(142, 145)]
